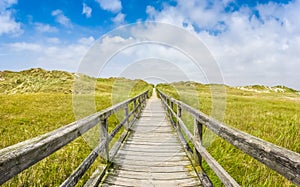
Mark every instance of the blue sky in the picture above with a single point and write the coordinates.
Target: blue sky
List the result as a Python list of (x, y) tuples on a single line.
[(253, 42)]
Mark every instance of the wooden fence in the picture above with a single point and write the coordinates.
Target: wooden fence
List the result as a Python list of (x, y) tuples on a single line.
[(281, 160), (18, 157)]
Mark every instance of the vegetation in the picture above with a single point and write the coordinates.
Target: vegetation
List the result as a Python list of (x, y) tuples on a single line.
[(270, 113), (37, 101)]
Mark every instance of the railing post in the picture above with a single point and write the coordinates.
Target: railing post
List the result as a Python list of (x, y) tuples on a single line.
[(178, 115), (197, 138), (104, 138), (136, 109), (126, 125), (145, 99), (170, 114), (141, 105)]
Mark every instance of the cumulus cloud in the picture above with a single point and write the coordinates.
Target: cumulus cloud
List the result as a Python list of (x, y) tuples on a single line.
[(110, 5), (253, 45), (86, 41), (44, 28), (61, 18), (23, 46), (53, 40), (8, 23), (119, 18), (51, 55), (86, 10), (151, 42)]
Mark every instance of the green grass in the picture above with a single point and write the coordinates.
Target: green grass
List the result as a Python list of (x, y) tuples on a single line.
[(272, 116), (44, 103)]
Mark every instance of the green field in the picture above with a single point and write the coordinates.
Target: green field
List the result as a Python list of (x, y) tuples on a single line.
[(271, 114), (36, 101)]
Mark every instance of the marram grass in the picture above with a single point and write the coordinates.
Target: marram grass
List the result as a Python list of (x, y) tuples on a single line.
[(271, 116), (34, 102)]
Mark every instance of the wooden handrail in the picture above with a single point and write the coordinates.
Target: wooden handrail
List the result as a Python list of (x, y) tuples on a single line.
[(18, 157), (281, 160)]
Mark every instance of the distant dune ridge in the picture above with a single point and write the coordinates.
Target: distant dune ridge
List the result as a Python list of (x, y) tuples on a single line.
[(37, 80)]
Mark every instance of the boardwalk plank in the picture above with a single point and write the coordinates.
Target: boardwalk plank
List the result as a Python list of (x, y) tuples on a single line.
[(152, 154)]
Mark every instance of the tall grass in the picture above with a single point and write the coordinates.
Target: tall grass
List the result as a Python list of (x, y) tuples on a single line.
[(26, 113), (273, 117)]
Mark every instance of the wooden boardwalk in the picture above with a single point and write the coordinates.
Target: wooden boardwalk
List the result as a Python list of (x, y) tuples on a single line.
[(152, 155)]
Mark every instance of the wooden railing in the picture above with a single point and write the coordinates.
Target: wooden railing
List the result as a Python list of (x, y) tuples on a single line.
[(16, 158), (281, 160)]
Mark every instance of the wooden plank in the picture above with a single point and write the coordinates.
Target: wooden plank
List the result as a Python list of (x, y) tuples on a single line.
[(158, 175), (152, 154), (149, 182), (170, 158), (155, 176), (152, 169), (155, 154)]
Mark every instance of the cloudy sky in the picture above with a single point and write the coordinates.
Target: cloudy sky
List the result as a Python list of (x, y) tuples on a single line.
[(252, 42)]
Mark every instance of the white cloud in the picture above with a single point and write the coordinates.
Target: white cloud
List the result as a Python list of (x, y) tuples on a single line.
[(4, 4), (86, 10), (249, 49), (110, 5), (23, 46), (40, 27), (114, 54), (7, 20), (86, 41), (52, 54), (53, 40), (119, 18), (61, 18)]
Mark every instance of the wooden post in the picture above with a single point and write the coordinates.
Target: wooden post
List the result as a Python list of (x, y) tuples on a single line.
[(141, 103), (126, 125), (167, 102), (104, 137), (197, 138), (170, 114), (178, 115), (145, 99), (136, 109)]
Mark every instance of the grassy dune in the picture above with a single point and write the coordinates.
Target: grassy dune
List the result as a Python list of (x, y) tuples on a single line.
[(271, 114), (36, 101)]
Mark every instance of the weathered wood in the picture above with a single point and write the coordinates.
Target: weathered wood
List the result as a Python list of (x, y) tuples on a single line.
[(152, 152), (197, 138), (18, 157), (104, 138), (226, 179), (206, 182), (84, 166), (178, 113), (96, 177), (126, 125), (281, 160), (99, 173), (135, 107)]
